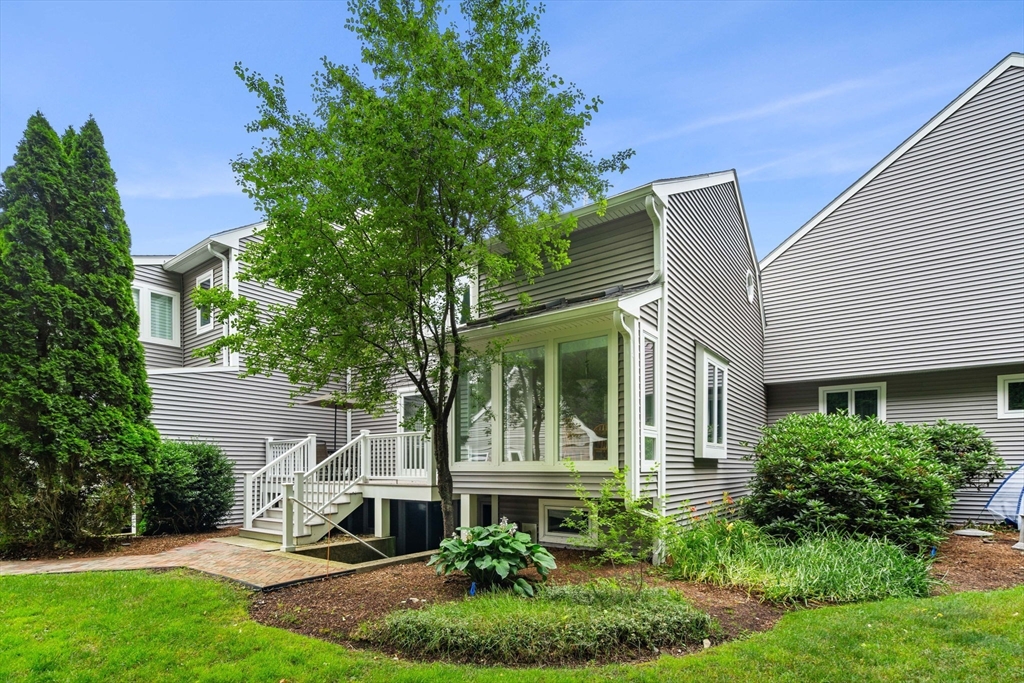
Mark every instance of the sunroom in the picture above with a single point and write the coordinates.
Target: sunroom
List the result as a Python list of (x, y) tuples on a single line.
[(576, 387)]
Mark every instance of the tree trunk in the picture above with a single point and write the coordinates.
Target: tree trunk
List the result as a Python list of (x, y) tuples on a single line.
[(444, 479)]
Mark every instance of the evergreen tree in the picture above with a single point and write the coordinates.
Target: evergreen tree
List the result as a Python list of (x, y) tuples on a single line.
[(75, 439)]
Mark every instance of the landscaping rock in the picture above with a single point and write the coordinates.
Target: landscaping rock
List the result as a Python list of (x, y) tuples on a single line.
[(973, 532)]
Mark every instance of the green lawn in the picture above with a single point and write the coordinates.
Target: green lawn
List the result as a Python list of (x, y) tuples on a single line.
[(174, 626)]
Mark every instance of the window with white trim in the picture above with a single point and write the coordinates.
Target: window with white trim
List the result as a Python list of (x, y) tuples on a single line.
[(1010, 392), (159, 314), (472, 423), (649, 403), (204, 315), (553, 515), (712, 405), (412, 414), (862, 400), (751, 287)]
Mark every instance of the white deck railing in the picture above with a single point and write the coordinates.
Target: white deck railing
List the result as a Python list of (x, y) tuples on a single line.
[(402, 458), (264, 488)]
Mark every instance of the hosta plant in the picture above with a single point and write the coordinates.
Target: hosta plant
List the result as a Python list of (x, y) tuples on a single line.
[(492, 556)]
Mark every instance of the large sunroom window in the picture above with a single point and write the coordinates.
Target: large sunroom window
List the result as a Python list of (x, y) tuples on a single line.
[(524, 404), (583, 399), (473, 415)]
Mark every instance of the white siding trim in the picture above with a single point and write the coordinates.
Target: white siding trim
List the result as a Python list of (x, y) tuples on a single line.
[(1015, 59), (1003, 412)]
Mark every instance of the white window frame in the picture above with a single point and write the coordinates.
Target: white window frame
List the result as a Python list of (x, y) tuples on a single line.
[(145, 314), (200, 327), (1003, 396), (850, 388), (402, 395), (648, 333), (702, 449), (546, 504), (751, 285)]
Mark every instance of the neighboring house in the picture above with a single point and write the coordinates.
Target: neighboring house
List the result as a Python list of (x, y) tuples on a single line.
[(194, 398), (643, 353), (904, 297)]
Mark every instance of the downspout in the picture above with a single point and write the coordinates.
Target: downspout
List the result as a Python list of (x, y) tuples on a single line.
[(629, 403), (656, 210), (227, 282), (348, 411)]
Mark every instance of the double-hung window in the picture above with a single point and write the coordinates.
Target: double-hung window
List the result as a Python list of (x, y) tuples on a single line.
[(649, 403), (204, 316), (1010, 392), (862, 400), (159, 314), (712, 405), (473, 413)]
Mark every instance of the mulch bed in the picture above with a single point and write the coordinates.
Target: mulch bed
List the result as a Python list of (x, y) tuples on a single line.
[(968, 563), (330, 609), (126, 545)]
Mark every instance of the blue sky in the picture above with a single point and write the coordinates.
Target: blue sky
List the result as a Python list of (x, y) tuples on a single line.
[(800, 98)]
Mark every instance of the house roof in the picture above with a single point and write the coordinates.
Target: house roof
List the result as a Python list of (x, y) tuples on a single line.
[(1014, 59)]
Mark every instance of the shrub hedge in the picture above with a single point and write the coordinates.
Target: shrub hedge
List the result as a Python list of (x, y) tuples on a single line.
[(863, 477), (192, 488)]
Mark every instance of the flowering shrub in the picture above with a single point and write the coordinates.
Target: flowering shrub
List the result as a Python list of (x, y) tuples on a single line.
[(493, 555)]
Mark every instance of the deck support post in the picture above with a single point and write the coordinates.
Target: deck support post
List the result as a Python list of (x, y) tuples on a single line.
[(247, 500), (287, 519), (381, 517)]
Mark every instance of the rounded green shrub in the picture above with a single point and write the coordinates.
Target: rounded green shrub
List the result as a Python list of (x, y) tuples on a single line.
[(855, 476), (192, 488)]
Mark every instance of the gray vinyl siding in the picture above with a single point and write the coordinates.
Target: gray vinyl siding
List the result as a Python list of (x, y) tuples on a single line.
[(963, 395), (708, 257), (237, 414), (264, 294), (160, 355), (616, 252), (190, 340), (921, 269), (519, 509)]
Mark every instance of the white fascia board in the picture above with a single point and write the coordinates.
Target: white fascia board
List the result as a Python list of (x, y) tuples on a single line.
[(202, 370), (1014, 59), (669, 187), (151, 260), (194, 256)]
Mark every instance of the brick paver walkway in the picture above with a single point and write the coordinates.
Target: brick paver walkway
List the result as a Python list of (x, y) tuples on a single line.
[(254, 568)]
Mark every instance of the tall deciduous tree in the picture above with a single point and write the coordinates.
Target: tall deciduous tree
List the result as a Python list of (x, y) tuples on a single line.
[(456, 159), (74, 404)]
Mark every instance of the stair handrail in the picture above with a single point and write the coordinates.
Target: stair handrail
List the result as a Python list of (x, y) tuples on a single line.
[(257, 478), (350, 475)]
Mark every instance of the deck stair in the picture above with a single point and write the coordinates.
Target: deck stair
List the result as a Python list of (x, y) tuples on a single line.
[(290, 500)]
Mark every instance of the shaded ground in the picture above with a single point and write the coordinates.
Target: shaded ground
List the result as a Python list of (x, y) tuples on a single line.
[(140, 545), (968, 563)]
